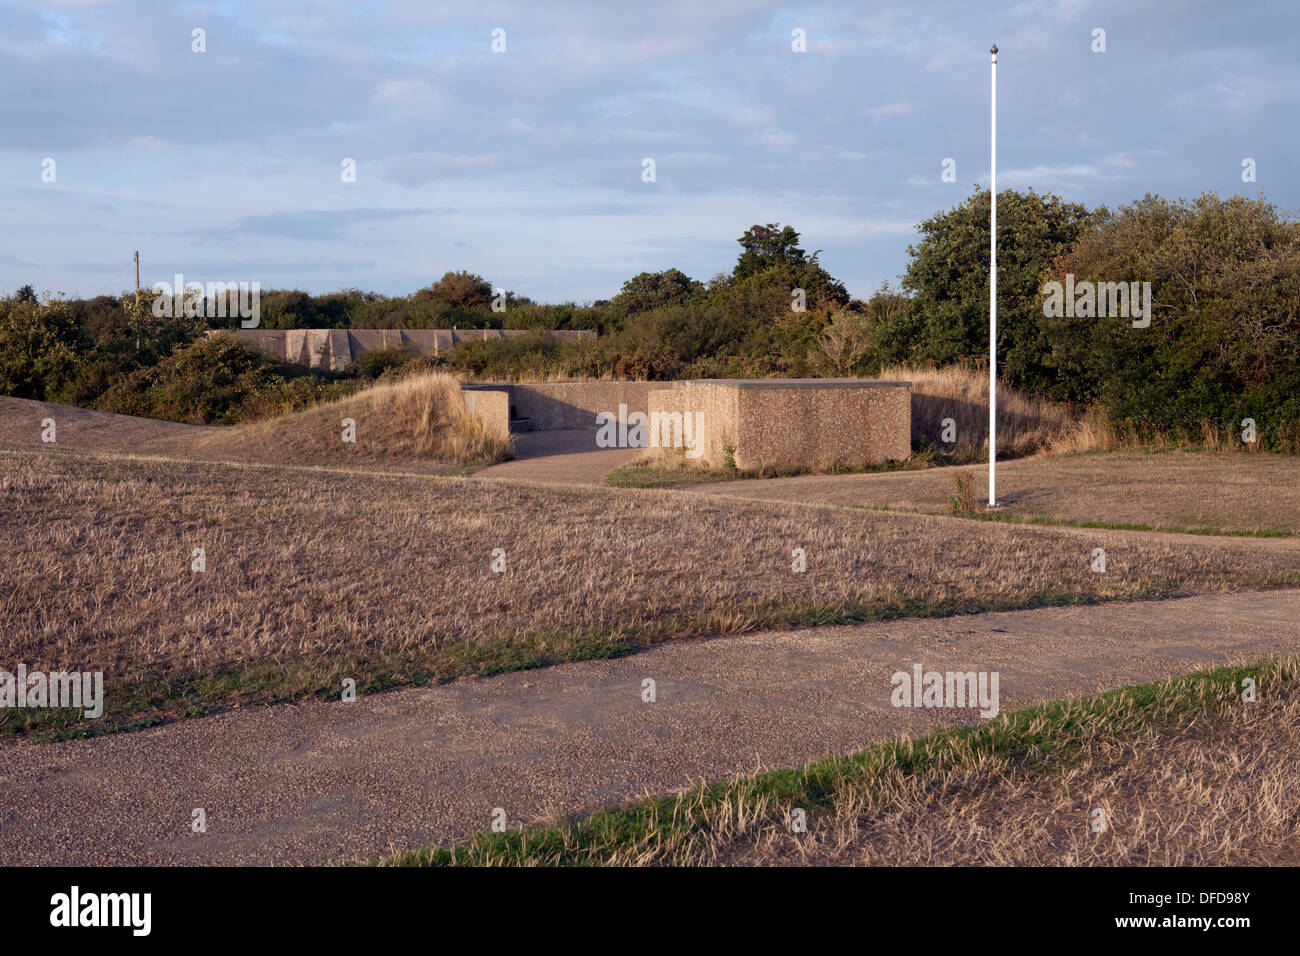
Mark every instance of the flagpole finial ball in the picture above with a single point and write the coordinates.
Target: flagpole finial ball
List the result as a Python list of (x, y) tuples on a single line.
[(994, 49)]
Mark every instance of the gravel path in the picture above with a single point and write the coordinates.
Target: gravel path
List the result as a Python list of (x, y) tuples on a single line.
[(561, 457), (321, 782)]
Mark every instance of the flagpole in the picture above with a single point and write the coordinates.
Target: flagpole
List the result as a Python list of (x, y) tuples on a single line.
[(993, 285)]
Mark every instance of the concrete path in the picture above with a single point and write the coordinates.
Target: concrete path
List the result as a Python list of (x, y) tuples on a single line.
[(559, 458), (328, 782)]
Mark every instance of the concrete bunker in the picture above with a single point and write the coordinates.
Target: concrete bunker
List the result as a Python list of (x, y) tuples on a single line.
[(750, 424)]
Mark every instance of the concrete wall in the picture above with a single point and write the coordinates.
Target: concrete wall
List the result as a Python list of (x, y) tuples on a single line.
[(337, 348), (823, 423), (491, 408), (552, 405), (715, 412), (792, 424), (665, 402), (549, 406)]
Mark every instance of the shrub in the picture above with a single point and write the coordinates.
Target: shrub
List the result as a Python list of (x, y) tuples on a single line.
[(963, 502), (219, 380), (1224, 339), (38, 342)]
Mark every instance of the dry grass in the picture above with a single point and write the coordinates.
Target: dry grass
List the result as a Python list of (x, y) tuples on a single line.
[(1026, 425), (332, 568), (1094, 433), (1173, 490), (1185, 771), (1029, 425), (417, 422), (418, 418), (1222, 787)]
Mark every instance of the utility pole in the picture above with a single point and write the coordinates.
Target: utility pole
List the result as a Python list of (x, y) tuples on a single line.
[(137, 300), (993, 286)]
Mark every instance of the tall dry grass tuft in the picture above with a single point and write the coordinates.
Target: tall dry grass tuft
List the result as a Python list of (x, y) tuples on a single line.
[(1206, 435), (1029, 425), (1091, 432), (432, 409), (963, 501), (1026, 426)]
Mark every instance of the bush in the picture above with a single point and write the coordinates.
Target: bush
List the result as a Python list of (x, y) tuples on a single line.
[(38, 342), (373, 363), (1224, 339), (219, 380)]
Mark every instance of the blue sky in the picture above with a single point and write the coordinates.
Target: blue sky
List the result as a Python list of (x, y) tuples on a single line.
[(526, 166)]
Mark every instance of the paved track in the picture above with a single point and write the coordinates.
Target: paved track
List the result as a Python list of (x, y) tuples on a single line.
[(559, 458), (329, 782)]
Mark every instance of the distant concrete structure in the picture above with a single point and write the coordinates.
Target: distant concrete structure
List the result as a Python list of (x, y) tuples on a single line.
[(336, 349), (778, 424)]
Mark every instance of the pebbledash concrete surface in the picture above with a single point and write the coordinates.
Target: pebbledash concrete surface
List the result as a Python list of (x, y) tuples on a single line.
[(779, 424), (337, 348)]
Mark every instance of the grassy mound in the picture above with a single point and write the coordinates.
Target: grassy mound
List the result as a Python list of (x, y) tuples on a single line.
[(420, 420)]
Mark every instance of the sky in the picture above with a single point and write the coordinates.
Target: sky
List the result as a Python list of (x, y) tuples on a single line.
[(527, 163)]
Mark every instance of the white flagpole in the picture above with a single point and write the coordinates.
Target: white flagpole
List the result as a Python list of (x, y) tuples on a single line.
[(993, 288)]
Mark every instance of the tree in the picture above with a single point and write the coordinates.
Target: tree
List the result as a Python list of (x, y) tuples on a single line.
[(948, 279), (891, 323), (287, 309), (462, 290), (772, 266), (650, 290), (845, 341), (1224, 338), (767, 246), (37, 348)]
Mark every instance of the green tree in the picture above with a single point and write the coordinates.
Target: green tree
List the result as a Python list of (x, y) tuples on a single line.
[(766, 246), (1224, 338), (892, 325), (38, 348), (286, 309), (650, 290), (461, 290), (948, 281), (771, 267)]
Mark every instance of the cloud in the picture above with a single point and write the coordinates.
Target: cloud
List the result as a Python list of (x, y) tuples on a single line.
[(318, 224), (1063, 176), (544, 142), (888, 111), (410, 95), (419, 169), (775, 137)]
